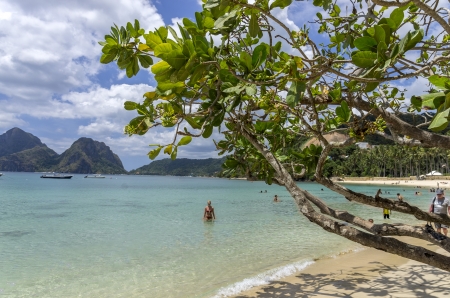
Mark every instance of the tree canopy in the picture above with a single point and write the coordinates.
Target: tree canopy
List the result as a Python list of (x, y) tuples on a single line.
[(237, 68)]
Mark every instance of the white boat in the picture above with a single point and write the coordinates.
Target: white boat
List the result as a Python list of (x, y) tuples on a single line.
[(94, 176), (1, 174), (57, 176)]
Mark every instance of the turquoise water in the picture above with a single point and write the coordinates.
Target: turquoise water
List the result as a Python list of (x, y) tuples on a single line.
[(143, 236)]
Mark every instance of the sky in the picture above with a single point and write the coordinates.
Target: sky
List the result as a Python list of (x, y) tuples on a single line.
[(53, 86)]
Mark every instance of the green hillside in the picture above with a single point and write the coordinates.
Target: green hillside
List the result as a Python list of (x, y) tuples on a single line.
[(182, 167)]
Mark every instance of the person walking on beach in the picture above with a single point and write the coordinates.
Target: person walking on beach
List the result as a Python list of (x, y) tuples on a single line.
[(209, 212), (386, 213), (440, 205)]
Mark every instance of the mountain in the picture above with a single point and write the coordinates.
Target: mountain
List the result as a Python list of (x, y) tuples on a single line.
[(16, 140), (89, 156), (182, 167), (22, 152), (37, 159)]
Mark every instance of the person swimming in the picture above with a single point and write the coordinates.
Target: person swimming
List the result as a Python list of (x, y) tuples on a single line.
[(209, 212)]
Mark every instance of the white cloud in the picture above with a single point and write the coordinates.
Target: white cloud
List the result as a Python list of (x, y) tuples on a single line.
[(50, 47)]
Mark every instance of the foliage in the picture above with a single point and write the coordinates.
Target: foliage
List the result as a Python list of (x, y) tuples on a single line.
[(210, 167), (239, 70)]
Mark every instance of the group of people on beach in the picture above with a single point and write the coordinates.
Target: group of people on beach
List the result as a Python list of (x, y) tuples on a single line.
[(439, 205)]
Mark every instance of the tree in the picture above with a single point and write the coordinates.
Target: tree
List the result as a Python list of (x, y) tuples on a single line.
[(238, 69)]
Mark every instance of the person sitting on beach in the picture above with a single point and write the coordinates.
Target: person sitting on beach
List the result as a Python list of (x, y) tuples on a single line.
[(399, 197), (440, 205), (209, 212), (275, 198)]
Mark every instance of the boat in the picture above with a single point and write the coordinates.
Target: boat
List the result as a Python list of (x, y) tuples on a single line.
[(94, 176), (1, 174), (57, 176)]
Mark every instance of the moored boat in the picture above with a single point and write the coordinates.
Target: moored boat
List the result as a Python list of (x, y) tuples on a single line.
[(57, 176), (94, 176)]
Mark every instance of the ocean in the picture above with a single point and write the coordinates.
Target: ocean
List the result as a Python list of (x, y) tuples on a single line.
[(143, 236)]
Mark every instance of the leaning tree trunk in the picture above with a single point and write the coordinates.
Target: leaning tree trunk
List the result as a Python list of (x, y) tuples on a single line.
[(303, 199)]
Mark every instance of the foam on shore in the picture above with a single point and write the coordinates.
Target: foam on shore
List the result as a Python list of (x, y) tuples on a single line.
[(263, 279)]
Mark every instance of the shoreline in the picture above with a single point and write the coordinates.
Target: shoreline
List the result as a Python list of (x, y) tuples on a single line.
[(427, 184), (360, 274)]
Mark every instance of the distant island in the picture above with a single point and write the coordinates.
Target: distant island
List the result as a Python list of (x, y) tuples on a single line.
[(211, 167), (23, 152)]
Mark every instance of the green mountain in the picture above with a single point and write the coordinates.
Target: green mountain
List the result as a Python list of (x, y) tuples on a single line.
[(23, 152), (182, 167), (16, 140), (89, 156)]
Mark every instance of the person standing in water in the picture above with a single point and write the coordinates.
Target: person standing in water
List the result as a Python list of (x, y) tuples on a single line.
[(386, 213), (209, 212), (275, 198)]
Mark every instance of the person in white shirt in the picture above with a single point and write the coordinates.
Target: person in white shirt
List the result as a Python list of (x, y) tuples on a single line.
[(440, 205)]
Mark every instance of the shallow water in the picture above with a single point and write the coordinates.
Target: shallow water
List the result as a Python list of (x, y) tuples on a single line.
[(143, 236)]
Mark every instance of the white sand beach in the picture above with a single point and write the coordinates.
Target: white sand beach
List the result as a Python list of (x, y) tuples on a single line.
[(366, 273), (425, 184)]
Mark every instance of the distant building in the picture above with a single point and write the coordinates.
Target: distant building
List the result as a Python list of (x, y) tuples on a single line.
[(364, 145)]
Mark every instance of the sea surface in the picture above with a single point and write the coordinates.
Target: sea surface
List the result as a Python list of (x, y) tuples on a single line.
[(143, 236)]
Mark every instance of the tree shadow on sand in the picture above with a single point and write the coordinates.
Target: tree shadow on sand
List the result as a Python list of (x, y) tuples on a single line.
[(373, 280)]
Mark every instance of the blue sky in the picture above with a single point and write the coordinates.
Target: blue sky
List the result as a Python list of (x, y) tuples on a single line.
[(53, 86)]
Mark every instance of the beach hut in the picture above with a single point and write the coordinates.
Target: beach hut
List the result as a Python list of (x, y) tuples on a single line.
[(434, 173)]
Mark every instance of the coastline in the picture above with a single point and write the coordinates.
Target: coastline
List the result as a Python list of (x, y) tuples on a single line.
[(368, 272), (426, 184)]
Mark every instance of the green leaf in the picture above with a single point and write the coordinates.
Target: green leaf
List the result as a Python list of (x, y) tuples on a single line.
[(365, 43), (397, 16), (364, 59), (184, 141), (246, 60), (440, 121), (343, 111), (380, 34), (403, 42), (221, 23), (416, 36), (129, 105), (208, 131), (173, 156), (259, 55), (208, 23), (280, 3), (262, 126), (294, 93), (250, 90), (160, 67), (145, 61), (107, 58), (254, 26), (162, 49), (152, 40), (154, 153), (212, 3), (433, 100), (198, 19), (439, 81), (163, 33), (176, 59), (192, 122)]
